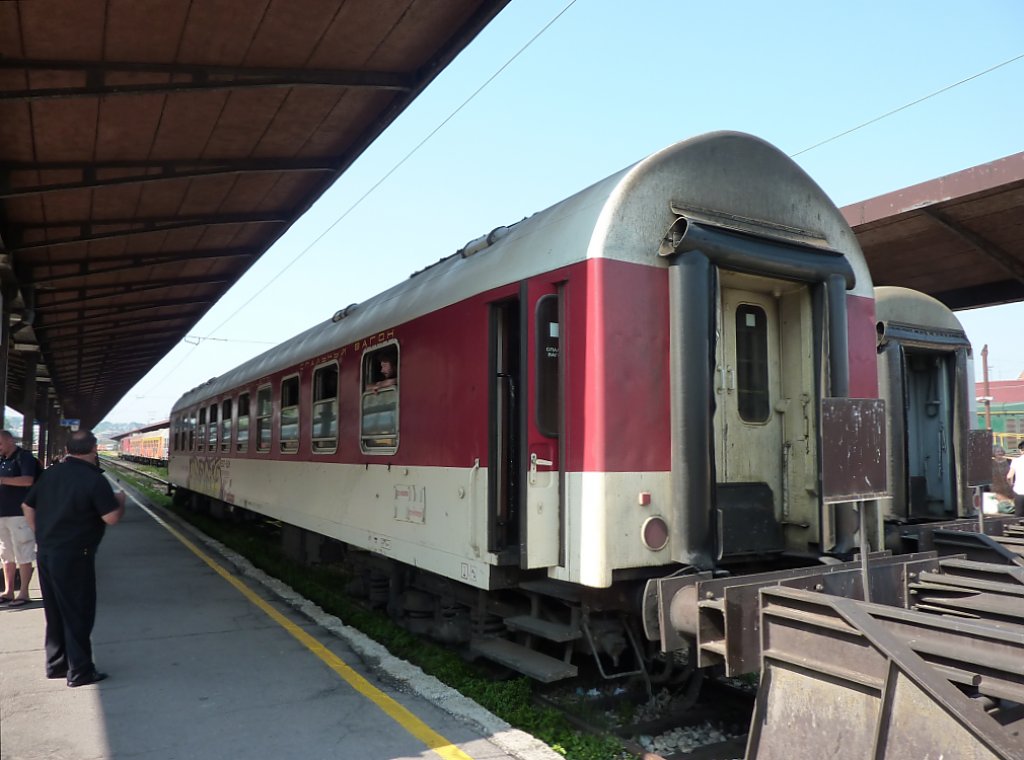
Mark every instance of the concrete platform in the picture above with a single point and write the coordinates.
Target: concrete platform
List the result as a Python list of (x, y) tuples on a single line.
[(209, 659)]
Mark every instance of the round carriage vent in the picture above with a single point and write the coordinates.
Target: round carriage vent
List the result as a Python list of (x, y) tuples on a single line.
[(654, 533)]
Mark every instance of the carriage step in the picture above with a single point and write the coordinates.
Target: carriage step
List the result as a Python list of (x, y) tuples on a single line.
[(714, 648), (555, 589), (529, 662), (546, 629)]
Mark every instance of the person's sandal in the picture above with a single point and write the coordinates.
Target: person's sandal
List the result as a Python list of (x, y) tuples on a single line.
[(18, 602)]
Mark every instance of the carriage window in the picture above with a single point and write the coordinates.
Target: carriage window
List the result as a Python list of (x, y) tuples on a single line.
[(211, 430), (378, 425), (325, 408), (225, 425), (192, 430), (549, 411), (264, 411), (752, 363), (201, 442), (242, 433), (290, 414)]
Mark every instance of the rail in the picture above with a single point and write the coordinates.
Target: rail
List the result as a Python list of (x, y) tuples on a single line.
[(135, 471)]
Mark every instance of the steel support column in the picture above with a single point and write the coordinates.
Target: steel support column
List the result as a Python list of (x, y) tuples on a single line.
[(54, 441), (28, 402), (5, 343), (42, 416)]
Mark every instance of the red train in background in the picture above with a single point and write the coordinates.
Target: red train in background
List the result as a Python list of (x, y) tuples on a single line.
[(149, 445)]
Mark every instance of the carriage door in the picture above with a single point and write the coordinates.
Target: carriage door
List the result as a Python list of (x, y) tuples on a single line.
[(507, 389), (749, 424), (929, 403), (541, 536)]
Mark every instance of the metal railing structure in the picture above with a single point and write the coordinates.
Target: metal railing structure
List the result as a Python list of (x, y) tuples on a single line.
[(849, 679)]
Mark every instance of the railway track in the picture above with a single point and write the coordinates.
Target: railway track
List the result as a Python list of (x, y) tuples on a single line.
[(118, 464), (703, 719)]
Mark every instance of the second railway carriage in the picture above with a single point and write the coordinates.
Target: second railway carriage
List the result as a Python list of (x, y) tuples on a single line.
[(625, 384), (926, 378)]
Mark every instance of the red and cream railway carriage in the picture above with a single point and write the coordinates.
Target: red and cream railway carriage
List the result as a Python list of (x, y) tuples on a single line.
[(623, 385)]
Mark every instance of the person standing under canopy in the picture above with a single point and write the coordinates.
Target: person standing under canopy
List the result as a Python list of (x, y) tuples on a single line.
[(69, 509), (18, 471)]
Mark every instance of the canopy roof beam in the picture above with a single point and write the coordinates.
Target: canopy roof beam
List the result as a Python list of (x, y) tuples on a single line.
[(149, 171), (103, 78)]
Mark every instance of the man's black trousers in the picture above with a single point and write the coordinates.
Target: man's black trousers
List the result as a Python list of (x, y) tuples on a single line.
[(68, 583)]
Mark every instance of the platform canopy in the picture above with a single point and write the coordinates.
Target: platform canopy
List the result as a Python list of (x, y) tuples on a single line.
[(150, 152), (959, 238)]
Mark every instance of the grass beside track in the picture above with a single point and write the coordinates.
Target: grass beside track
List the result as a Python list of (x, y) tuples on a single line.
[(510, 700)]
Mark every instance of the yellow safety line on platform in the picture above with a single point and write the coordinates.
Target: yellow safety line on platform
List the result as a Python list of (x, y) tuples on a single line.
[(401, 715)]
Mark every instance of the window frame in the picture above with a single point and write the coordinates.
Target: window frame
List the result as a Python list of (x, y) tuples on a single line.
[(240, 447), (753, 374), (201, 430), (212, 427), (316, 444), (548, 373), (227, 419), (367, 389), (268, 418), (289, 445)]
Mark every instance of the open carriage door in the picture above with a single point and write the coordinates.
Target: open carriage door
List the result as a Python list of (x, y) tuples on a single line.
[(924, 376), (540, 520)]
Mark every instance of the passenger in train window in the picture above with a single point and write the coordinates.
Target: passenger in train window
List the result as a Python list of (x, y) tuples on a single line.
[(1015, 476), (387, 373)]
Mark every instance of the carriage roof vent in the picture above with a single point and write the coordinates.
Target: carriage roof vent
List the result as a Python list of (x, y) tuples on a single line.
[(484, 241), (340, 314)]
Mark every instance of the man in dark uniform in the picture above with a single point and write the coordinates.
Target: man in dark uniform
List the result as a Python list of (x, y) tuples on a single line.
[(69, 508)]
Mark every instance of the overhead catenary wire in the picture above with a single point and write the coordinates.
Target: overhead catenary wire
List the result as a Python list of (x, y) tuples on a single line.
[(194, 340), (904, 107)]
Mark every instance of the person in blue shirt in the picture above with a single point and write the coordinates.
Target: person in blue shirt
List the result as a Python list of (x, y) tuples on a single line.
[(17, 541)]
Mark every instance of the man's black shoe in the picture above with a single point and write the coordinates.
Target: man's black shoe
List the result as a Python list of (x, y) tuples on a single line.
[(94, 677), (58, 674)]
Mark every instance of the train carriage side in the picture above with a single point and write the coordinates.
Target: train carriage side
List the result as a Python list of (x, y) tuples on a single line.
[(623, 384)]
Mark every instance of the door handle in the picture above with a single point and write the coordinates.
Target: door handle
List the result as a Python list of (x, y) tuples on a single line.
[(534, 462)]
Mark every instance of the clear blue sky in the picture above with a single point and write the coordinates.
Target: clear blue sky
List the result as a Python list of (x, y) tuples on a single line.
[(608, 83)]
